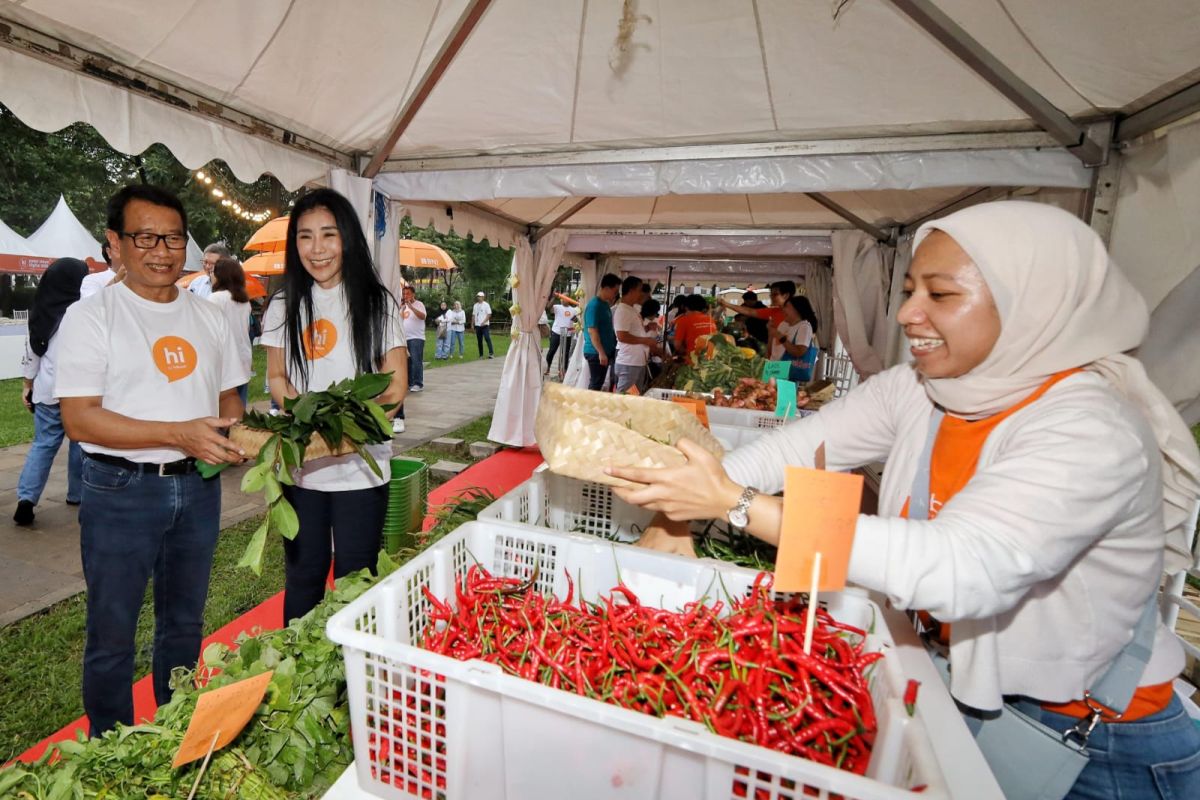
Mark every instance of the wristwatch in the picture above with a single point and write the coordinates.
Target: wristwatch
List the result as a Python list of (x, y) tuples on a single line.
[(739, 515)]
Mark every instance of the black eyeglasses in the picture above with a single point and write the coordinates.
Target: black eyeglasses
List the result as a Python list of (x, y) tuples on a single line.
[(149, 241)]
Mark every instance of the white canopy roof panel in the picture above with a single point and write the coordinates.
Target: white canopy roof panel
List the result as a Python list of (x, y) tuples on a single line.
[(63, 236), (13, 243)]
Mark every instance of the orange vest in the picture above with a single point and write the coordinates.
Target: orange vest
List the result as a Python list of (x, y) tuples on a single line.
[(952, 465)]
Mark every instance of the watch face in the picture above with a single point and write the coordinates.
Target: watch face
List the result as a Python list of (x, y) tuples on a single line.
[(738, 517)]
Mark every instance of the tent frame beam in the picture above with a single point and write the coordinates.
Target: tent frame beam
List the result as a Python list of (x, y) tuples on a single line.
[(871, 230), (1170, 109), (433, 73), (557, 221), (975, 56), (72, 58), (868, 145)]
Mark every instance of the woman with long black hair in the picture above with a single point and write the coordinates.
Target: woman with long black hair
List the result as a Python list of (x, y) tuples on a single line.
[(229, 292), (798, 336), (58, 288), (334, 320)]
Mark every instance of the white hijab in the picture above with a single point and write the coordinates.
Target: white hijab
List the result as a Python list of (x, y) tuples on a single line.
[(1063, 303)]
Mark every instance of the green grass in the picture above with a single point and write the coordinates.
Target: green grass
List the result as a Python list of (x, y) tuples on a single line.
[(500, 341), (16, 423), (41, 656)]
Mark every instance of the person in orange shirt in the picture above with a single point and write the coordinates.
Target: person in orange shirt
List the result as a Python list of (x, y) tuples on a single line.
[(1039, 486), (781, 292), (692, 325)]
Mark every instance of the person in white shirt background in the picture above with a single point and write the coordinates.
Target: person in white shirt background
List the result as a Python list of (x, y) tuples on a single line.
[(482, 317), (57, 289), (560, 334), (201, 286), (1044, 541), (457, 318), (797, 334), (229, 293), (98, 280), (442, 348), (334, 320), (412, 325), (147, 380), (633, 344)]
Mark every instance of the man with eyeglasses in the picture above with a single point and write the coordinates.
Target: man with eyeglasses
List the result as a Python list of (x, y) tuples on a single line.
[(201, 286), (147, 380)]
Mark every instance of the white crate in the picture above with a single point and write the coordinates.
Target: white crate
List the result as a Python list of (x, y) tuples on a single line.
[(738, 417), (476, 733)]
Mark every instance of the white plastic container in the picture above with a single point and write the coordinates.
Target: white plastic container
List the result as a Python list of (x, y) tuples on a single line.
[(478, 734), (738, 417)]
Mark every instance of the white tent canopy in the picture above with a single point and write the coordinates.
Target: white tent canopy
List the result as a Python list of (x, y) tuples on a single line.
[(13, 243), (63, 236)]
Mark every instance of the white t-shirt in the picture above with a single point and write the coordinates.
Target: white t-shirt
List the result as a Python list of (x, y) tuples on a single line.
[(201, 286), (798, 335), (414, 326), (626, 318), (238, 315), (457, 319), (331, 359), (564, 318), (40, 370), (95, 281), (483, 313), (165, 362)]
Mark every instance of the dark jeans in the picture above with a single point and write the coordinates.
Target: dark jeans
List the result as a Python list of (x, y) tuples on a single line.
[(596, 370), (557, 339), (416, 362), (355, 520), (134, 525), (484, 332)]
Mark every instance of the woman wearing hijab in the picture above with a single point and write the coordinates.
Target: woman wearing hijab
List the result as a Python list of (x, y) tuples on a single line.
[(1037, 487), (57, 289)]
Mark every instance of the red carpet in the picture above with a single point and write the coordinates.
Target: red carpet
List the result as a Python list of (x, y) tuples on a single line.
[(496, 474)]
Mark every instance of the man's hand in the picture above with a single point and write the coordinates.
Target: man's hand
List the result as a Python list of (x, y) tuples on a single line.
[(603, 358), (27, 395), (202, 439)]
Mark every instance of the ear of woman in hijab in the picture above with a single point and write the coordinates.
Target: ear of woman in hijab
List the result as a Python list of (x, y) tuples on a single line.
[(57, 289), (1063, 303)]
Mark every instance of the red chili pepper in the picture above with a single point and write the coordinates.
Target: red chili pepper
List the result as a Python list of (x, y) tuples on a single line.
[(910, 696)]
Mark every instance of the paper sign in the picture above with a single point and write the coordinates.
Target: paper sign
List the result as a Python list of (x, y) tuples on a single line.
[(820, 512), (776, 369), (633, 390), (221, 713), (696, 406), (785, 398)]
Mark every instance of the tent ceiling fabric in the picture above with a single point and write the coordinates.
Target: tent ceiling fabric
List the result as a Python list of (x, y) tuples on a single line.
[(684, 71)]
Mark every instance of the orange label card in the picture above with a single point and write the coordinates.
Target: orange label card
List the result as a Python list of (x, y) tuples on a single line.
[(319, 339), (820, 512), (633, 390), (221, 713), (696, 406), (175, 357)]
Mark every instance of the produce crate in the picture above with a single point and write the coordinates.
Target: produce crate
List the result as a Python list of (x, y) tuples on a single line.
[(470, 731), (737, 417)]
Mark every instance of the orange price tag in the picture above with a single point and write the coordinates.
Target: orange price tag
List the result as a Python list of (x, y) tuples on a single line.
[(820, 512), (221, 714), (696, 406), (633, 390)]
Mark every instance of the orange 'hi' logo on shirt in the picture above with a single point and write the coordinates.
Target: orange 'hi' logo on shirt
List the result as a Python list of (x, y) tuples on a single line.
[(175, 357), (319, 339)]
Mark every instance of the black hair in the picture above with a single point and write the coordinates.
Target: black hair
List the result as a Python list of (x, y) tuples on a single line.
[(696, 302), (104, 251), (650, 308), (647, 288), (154, 195), (785, 287), (680, 302), (609, 280), (804, 309), (631, 284), (749, 296), (369, 301), (229, 276)]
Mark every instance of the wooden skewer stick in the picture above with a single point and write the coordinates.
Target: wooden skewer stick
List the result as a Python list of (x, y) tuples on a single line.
[(810, 621), (203, 766)]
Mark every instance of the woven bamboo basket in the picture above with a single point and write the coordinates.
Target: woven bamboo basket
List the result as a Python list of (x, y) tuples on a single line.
[(582, 432), (251, 440)]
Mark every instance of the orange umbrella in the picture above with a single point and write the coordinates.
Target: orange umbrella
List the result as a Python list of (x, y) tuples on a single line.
[(270, 238), (423, 254), (264, 264), (187, 279)]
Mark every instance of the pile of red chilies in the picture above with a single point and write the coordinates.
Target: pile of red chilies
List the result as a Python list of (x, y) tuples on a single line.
[(744, 675)]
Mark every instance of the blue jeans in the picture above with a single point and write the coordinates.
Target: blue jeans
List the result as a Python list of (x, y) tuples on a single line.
[(244, 393), (416, 362), (442, 348), (484, 332), (1154, 757), (134, 525), (47, 438), (456, 338)]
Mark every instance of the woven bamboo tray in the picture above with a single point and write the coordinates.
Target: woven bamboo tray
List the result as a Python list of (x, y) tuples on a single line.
[(581, 432), (251, 440)]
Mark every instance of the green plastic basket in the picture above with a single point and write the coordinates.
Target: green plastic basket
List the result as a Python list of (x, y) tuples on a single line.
[(407, 494)]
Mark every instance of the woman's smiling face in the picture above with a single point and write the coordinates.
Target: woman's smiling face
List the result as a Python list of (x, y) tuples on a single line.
[(949, 316), (319, 245)]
